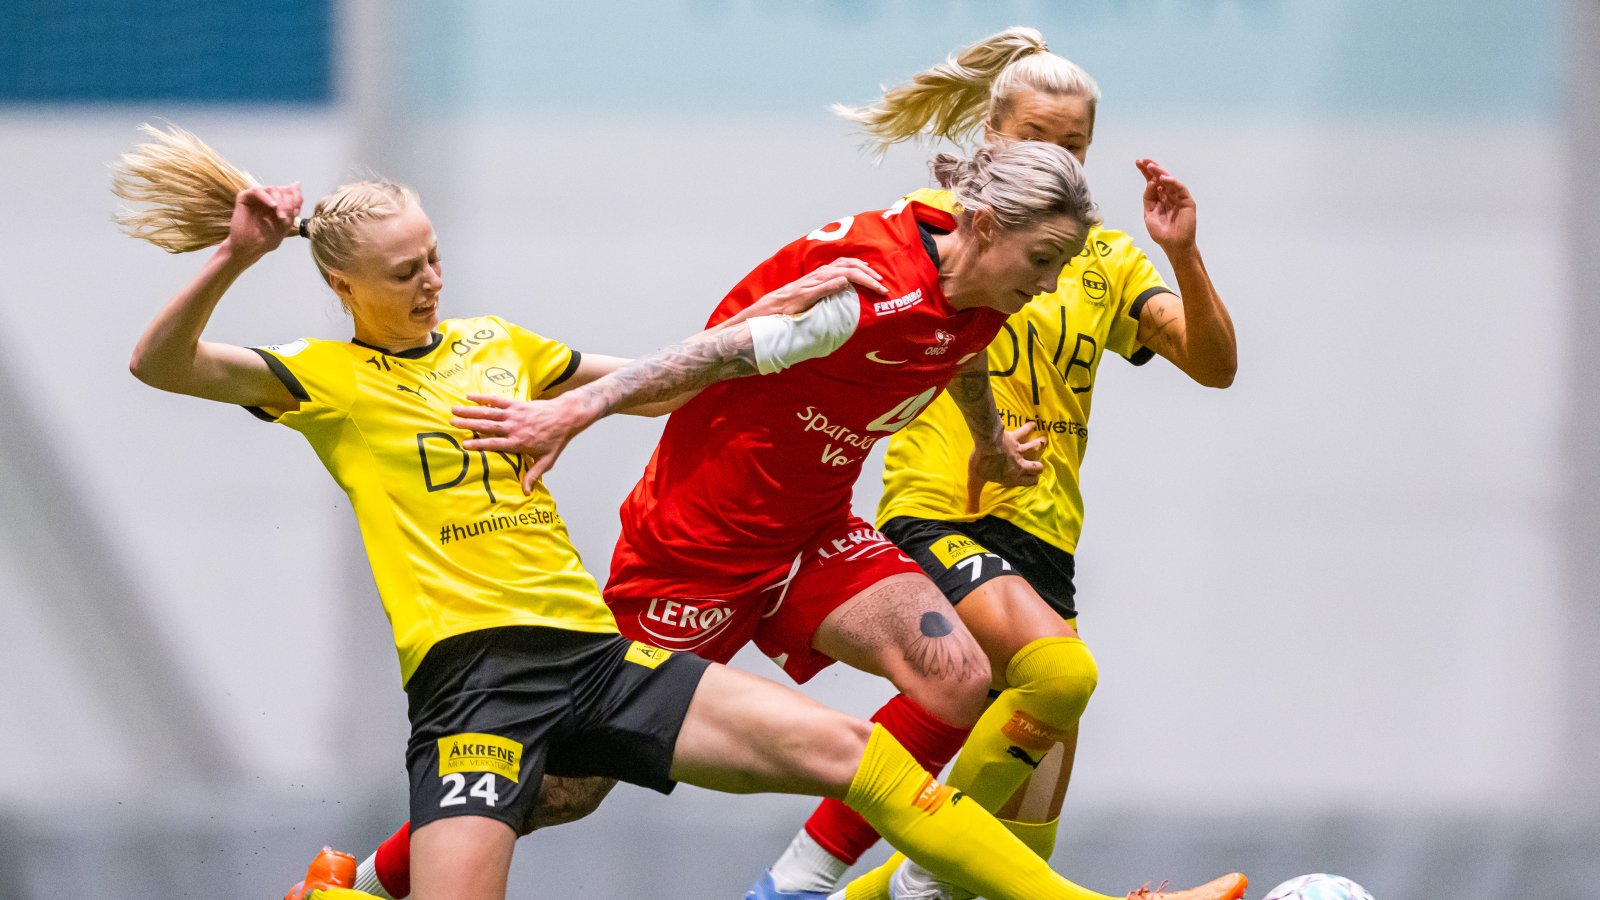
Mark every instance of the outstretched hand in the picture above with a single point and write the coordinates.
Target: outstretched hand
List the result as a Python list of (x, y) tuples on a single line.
[(804, 292), (262, 218), (1169, 210), (1012, 466), (537, 429)]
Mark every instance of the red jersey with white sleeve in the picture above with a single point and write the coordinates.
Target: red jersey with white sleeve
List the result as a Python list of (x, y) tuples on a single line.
[(753, 471)]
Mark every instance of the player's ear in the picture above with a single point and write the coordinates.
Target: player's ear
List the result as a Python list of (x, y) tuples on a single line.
[(341, 287), (984, 228)]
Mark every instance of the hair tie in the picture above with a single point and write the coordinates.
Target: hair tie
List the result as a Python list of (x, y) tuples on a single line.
[(304, 227)]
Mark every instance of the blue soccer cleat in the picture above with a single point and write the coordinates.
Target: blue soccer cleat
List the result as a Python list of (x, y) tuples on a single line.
[(764, 889)]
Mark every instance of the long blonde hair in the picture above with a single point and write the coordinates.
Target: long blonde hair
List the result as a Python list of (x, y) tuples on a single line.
[(972, 88), (185, 191)]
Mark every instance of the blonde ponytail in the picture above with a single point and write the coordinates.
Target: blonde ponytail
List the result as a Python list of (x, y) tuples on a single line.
[(186, 193), (185, 188), (956, 98)]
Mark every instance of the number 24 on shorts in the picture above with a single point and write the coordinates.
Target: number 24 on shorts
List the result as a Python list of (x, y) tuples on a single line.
[(457, 792)]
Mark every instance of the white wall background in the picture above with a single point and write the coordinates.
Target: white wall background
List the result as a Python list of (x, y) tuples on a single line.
[(1334, 592)]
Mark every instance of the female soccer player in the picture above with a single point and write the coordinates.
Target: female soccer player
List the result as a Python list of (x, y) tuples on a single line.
[(1004, 555), (741, 527), (512, 664)]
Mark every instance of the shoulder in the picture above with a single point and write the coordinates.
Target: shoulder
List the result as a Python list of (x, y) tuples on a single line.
[(291, 348), (308, 351), (934, 197), (477, 330), (454, 328), (1112, 246)]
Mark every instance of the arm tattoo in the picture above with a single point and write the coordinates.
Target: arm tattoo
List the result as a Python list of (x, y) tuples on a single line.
[(1161, 323), (686, 366), (970, 390)]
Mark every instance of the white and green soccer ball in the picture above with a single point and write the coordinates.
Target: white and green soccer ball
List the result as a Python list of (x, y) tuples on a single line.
[(1318, 887)]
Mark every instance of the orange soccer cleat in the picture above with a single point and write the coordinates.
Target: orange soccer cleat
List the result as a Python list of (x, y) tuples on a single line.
[(1228, 887), (331, 869)]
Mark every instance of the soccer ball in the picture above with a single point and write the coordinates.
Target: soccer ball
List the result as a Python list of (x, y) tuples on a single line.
[(1318, 887)]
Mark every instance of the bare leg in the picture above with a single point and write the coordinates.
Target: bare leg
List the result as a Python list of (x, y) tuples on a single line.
[(461, 858), (903, 629), (1007, 614), (744, 734)]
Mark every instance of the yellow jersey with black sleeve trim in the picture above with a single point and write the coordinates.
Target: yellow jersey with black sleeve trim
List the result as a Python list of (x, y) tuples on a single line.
[(454, 544), (1042, 368)]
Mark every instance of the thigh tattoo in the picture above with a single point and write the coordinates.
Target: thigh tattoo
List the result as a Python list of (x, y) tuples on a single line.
[(912, 615)]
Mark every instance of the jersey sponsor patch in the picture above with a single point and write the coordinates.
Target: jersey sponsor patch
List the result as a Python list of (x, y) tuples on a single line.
[(953, 548), (646, 655), (473, 752), (289, 349), (898, 304)]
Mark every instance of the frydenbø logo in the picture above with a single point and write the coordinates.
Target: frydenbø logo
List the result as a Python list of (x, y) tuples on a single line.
[(898, 304)]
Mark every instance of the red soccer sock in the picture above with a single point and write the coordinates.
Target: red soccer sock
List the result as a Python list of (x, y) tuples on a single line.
[(392, 862), (839, 829)]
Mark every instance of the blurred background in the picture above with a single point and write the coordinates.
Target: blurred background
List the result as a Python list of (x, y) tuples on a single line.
[(1347, 611)]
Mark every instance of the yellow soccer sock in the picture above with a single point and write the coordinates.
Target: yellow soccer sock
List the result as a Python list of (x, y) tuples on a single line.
[(340, 894), (946, 832), (1040, 837), (1051, 681)]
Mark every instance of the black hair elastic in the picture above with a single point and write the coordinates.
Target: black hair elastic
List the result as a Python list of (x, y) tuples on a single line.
[(305, 228)]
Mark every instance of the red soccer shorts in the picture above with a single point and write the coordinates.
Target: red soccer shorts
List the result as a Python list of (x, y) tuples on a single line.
[(781, 612)]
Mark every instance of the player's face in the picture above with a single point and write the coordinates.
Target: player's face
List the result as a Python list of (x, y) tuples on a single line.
[(1015, 265), (1067, 122), (392, 290)]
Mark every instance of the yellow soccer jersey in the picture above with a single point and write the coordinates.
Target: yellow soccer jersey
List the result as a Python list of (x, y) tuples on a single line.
[(455, 546), (1042, 368)]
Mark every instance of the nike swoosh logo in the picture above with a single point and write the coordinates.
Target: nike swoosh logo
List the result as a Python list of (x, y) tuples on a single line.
[(873, 355)]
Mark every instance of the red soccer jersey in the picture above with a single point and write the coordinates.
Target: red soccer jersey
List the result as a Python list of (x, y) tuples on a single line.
[(752, 468)]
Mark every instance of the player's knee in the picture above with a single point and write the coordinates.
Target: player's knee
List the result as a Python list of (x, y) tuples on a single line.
[(1056, 676), (831, 754), (952, 682)]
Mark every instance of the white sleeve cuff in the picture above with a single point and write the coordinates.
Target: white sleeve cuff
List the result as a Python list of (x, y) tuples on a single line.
[(782, 341)]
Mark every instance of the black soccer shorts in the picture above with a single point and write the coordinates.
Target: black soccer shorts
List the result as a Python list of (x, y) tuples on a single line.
[(962, 556), (493, 711)]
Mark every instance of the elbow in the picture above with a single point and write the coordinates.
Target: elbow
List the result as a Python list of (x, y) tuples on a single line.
[(1216, 376), (140, 369), (1222, 377), (145, 369)]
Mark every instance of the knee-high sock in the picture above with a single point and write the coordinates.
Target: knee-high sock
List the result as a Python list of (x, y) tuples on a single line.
[(947, 832), (1040, 837), (841, 831), (387, 872), (1051, 681)]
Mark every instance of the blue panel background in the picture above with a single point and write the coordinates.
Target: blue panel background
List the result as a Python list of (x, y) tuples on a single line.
[(94, 51)]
